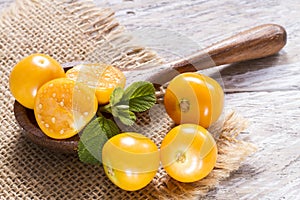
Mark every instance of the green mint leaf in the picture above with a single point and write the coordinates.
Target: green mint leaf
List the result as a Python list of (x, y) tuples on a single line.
[(85, 155), (140, 95), (94, 136), (116, 96), (123, 113), (109, 127)]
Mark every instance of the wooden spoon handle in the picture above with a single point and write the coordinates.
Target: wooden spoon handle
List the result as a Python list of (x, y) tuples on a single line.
[(257, 42)]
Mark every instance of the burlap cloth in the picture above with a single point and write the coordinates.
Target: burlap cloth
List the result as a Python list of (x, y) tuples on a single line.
[(71, 31)]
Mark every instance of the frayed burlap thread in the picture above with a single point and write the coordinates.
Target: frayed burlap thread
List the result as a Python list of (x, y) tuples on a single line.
[(73, 31)]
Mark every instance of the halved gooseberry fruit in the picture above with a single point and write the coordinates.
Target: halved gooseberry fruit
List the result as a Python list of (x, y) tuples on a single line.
[(63, 107), (101, 77)]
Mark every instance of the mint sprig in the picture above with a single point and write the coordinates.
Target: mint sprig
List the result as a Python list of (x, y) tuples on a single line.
[(138, 97)]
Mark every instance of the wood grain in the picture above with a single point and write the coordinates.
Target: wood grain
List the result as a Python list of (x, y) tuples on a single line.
[(256, 42)]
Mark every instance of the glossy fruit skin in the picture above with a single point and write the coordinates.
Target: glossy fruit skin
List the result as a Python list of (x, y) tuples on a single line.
[(188, 153), (194, 98), (30, 74), (63, 107), (101, 77), (130, 160)]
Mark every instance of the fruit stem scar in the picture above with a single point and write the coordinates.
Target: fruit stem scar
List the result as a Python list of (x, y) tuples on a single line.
[(42, 61), (184, 105), (180, 157)]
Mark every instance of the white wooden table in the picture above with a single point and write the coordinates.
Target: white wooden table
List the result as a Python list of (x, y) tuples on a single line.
[(267, 90)]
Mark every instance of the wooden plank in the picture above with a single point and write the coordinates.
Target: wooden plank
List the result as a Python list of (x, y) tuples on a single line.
[(273, 171)]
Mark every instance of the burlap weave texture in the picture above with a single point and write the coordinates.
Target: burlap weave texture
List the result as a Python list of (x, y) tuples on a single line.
[(78, 31)]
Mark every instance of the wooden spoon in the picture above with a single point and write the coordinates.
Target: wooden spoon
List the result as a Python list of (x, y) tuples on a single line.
[(257, 42)]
